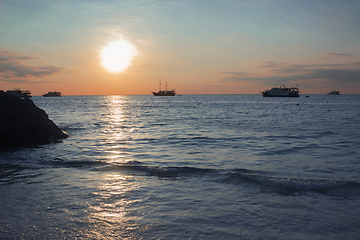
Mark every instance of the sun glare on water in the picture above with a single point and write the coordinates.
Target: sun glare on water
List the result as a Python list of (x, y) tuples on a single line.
[(116, 56)]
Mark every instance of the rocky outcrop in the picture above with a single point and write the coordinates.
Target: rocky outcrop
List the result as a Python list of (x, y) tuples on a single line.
[(23, 124)]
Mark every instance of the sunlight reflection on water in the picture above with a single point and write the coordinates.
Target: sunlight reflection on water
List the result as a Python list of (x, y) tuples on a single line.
[(108, 213), (115, 130)]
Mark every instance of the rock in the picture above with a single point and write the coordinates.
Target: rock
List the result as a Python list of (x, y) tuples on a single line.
[(23, 124)]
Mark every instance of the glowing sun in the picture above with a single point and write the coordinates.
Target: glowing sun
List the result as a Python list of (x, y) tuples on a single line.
[(116, 56)]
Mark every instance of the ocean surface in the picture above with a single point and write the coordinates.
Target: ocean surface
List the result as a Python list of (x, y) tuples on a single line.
[(188, 167)]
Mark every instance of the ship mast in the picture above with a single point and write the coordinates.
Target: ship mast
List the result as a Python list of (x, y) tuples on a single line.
[(160, 85)]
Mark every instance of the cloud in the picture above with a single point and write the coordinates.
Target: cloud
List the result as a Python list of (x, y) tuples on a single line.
[(234, 73), (271, 64), (293, 68), (13, 70), (10, 56), (343, 75), (332, 54), (311, 74)]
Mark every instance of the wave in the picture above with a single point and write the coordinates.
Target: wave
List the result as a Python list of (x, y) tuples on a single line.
[(246, 178), (59, 162), (12, 173), (161, 172), (69, 128), (290, 186), (171, 172), (249, 178)]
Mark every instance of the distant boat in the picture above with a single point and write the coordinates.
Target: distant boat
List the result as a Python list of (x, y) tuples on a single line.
[(164, 93), (19, 93), (333, 92), (52, 94), (281, 91)]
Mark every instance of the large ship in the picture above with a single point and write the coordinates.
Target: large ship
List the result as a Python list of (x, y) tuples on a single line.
[(281, 91), (333, 92), (52, 94), (19, 93), (164, 93)]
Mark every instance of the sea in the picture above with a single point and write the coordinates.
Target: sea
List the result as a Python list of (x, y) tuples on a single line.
[(188, 167)]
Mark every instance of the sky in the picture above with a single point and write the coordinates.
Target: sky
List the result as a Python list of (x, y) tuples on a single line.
[(125, 47)]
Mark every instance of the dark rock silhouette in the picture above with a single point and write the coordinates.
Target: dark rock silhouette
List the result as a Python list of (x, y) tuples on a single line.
[(23, 124)]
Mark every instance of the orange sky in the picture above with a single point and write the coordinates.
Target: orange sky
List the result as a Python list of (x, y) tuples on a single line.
[(198, 47)]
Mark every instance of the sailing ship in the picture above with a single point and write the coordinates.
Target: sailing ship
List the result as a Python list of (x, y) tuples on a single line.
[(281, 91), (164, 93)]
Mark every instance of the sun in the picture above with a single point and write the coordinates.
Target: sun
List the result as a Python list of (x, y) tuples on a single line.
[(116, 56)]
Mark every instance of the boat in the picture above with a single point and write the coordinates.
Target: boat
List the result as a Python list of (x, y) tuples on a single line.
[(52, 94), (19, 93), (281, 91), (164, 93), (333, 92)]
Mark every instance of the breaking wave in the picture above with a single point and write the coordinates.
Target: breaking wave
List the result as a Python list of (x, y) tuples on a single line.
[(290, 186), (244, 178), (257, 180)]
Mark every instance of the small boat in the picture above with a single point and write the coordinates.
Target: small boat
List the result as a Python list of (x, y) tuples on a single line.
[(164, 93), (19, 93), (333, 92), (281, 91), (52, 94)]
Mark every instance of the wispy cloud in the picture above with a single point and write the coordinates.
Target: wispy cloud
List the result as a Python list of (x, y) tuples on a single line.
[(272, 64), (233, 73), (294, 68), (12, 69), (311, 74), (336, 75), (6, 56), (332, 54)]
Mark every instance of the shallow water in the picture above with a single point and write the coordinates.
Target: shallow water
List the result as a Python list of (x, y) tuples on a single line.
[(188, 167)]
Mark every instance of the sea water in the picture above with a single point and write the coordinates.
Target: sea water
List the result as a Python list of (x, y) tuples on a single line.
[(188, 167)]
